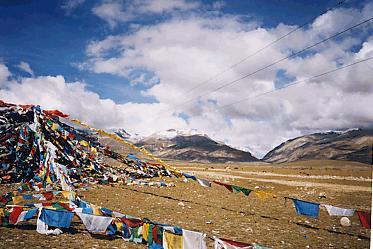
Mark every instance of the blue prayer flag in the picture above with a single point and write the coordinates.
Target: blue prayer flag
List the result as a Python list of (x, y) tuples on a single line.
[(106, 211), (307, 208), (56, 218), (87, 210), (30, 214), (27, 197), (190, 176)]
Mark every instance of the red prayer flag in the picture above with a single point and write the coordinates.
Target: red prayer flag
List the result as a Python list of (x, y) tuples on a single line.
[(24, 107), (48, 196), (66, 206), (236, 244), (4, 104), (364, 218), (227, 186), (132, 222), (55, 113), (13, 217)]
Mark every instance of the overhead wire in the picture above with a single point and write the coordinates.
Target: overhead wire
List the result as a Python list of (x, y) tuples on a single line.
[(283, 59), (259, 50), (276, 62), (295, 83), (264, 47)]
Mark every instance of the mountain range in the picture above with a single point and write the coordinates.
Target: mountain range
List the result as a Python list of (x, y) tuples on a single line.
[(188, 145), (350, 145)]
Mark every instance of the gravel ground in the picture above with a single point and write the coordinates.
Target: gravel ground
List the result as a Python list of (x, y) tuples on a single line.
[(218, 212)]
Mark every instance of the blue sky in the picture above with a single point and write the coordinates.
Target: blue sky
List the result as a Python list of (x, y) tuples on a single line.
[(132, 65), (52, 40)]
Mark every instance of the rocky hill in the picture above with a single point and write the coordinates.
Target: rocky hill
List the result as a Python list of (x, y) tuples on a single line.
[(351, 145), (192, 146)]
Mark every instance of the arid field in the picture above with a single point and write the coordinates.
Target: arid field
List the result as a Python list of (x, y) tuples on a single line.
[(218, 212)]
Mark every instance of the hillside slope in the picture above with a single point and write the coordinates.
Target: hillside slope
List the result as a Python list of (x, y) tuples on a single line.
[(194, 147), (351, 145)]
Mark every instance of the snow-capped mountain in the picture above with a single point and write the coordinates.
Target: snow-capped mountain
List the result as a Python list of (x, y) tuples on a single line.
[(188, 145), (133, 138)]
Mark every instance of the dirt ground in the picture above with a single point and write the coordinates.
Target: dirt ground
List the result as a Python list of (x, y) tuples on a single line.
[(218, 212)]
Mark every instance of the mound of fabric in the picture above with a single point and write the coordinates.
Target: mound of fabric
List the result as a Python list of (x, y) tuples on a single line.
[(43, 148)]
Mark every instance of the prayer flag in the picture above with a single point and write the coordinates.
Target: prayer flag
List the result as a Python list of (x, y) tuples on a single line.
[(336, 211), (56, 218), (95, 224), (190, 176), (364, 218), (204, 183), (238, 189), (26, 215), (17, 199), (227, 186), (262, 195), (306, 208), (193, 240), (13, 217), (230, 244), (172, 241)]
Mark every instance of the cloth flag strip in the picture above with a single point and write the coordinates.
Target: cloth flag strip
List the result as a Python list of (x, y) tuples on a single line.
[(233, 188), (220, 243), (306, 208), (172, 241), (95, 224), (42, 227), (204, 183), (238, 189), (194, 240), (56, 218), (337, 211), (364, 217), (26, 215)]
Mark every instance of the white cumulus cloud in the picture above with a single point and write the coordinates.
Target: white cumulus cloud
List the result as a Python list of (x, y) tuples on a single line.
[(24, 66), (180, 53)]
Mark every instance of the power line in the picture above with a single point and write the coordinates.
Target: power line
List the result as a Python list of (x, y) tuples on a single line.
[(276, 62), (256, 52), (295, 83), (263, 48)]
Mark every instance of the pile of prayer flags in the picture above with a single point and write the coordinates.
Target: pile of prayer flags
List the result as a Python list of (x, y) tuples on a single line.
[(43, 148)]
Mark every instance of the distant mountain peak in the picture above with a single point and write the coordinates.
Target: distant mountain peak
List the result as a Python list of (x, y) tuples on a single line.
[(191, 145), (127, 136), (171, 133)]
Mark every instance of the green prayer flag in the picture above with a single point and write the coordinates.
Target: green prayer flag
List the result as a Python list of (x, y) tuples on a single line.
[(238, 189)]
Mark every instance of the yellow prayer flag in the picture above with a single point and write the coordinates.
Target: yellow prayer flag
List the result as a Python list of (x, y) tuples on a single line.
[(55, 126), (173, 241), (119, 225), (93, 150), (96, 210), (49, 180), (145, 231), (17, 199), (262, 195), (83, 143)]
